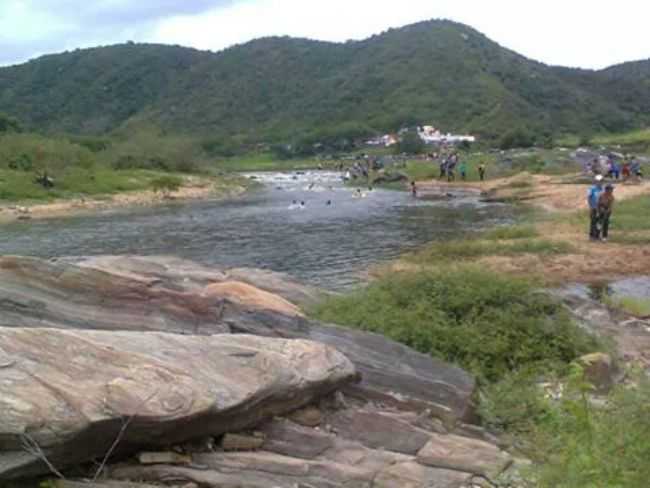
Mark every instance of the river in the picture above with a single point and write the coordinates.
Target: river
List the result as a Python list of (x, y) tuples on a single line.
[(325, 245)]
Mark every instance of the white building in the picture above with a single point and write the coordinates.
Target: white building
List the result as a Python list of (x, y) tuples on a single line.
[(431, 135)]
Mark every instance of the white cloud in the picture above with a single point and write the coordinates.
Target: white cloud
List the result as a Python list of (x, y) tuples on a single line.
[(583, 33)]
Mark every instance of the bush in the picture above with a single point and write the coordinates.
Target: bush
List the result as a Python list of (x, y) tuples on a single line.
[(410, 144), (150, 149), (583, 446), (166, 184), (487, 323), (515, 404), (31, 152), (9, 124), (517, 138)]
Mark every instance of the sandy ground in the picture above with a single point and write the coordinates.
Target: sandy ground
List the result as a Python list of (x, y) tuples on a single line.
[(195, 188), (590, 263)]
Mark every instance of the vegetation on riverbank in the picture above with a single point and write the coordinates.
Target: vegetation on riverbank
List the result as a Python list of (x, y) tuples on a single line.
[(491, 318), (522, 346), (97, 167), (486, 322)]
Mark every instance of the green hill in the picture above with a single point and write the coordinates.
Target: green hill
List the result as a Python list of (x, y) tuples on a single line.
[(276, 89)]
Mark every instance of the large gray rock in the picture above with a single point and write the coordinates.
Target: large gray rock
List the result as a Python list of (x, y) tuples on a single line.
[(71, 392), (173, 295)]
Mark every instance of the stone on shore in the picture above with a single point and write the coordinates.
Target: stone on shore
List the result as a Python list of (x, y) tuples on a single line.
[(71, 392)]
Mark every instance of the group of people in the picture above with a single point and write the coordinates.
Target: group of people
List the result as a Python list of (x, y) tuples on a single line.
[(609, 166), (601, 203), (449, 163)]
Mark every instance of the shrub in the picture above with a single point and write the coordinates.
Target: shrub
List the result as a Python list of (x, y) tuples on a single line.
[(583, 445), (31, 152), (410, 144), (150, 149), (517, 138), (166, 184), (9, 124), (488, 323)]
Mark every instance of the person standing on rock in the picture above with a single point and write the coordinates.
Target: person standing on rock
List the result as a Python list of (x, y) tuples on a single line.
[(605, 206), (592, 199)]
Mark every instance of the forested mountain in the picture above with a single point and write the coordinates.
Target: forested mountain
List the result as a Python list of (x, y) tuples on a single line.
[(436, 72)]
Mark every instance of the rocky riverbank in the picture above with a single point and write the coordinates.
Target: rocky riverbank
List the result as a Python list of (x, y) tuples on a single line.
[(126, 369)]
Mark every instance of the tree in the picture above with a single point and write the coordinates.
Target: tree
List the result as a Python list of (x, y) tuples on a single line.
[(517, 138), (410, 144), (9, 124)]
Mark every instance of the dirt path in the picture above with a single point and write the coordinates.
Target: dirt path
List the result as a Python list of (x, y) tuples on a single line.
[(194, 188)]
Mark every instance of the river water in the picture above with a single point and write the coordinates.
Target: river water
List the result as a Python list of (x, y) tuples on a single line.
[(325, 245)]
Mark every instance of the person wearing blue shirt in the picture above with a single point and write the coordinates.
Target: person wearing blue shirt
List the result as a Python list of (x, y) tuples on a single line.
[(592, 199)]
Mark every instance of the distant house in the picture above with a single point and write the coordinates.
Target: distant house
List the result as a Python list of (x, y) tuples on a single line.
[(385, 140), (431, 135)]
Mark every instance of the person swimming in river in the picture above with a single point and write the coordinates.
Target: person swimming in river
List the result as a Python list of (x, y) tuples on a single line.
[(294, 205), (357, 193), (329, 203), (302, 205)]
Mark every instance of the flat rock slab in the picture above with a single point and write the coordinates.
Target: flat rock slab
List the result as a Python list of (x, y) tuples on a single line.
[(379, 430), (172, 295), (414, 475), (293, 440), (71, 392), (464, 454), (38, 293), (265, 470)]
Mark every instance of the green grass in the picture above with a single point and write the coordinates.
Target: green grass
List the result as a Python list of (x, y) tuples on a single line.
[(624, 139), (451, 251), (511, 232), (266, 162), (488, 323), (639, 307), (632, 214), (20, 186), (628, 222)]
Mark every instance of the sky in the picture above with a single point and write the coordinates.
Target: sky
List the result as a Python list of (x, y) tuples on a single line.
[(577, 33)]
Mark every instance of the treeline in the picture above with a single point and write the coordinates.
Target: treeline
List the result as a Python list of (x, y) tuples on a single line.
[(301, 93)]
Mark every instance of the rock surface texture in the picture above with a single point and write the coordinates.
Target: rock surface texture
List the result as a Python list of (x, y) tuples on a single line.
[(69, 392), (220, 373)]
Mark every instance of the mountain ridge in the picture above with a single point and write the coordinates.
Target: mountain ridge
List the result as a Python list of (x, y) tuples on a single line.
[(274, 88)]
